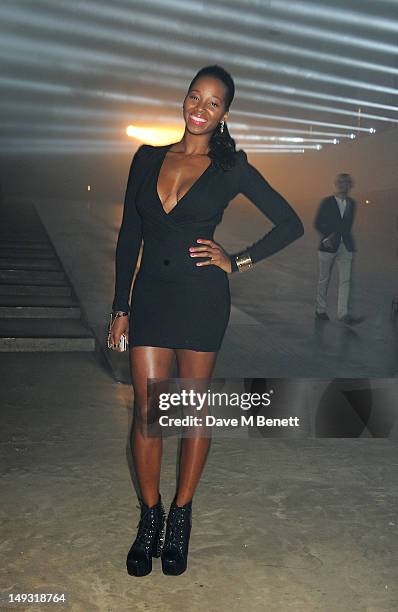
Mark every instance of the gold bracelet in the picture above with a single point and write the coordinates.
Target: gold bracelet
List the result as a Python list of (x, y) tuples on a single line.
[(243, 261)]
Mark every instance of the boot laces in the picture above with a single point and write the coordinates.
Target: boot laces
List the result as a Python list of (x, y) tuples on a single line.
[(147, 528), (177, 529)]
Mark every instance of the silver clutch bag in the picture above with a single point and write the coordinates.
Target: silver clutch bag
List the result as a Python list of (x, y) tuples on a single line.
[(123, 343)]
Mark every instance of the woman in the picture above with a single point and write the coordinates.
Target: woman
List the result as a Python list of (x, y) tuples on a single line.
[(180, 306)]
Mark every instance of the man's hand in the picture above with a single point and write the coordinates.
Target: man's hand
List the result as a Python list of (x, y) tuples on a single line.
[(329, 241)]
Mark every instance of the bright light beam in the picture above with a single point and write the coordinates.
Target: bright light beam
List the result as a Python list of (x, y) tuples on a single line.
[(147, 71), (247, 137), (288, 119), (317, 11), (55, 88), (190, 29), (267, 23), (95, 113), (260, 147), (154, 43)]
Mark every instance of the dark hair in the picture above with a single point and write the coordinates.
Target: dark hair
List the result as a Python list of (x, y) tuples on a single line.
[(345, 176), (222, 145)]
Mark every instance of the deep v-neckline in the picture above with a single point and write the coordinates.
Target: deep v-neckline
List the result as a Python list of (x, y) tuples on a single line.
[(162, 158)]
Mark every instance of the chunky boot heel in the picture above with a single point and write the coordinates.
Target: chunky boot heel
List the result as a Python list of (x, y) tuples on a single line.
[(175, 549), (148, 541)]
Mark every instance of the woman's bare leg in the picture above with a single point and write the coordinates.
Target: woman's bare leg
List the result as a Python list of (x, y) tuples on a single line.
[(147, 362), (194, 450)]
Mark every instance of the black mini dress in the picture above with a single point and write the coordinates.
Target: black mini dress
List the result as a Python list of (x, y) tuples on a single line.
[(175, 303)]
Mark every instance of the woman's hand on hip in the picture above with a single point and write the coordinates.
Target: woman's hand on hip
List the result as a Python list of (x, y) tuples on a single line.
[(209, 248), (119, 326)]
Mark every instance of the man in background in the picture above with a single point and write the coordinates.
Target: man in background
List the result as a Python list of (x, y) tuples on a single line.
[(334, 221)]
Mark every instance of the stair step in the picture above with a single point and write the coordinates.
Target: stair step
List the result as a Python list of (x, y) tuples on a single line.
[(33, 277), (40, 312), (31, 254), (38, 307), (46, 344), (14, 263), (35, 232), (41, 328), (62, 301), (25, 244), (45, 335), (34, 290)]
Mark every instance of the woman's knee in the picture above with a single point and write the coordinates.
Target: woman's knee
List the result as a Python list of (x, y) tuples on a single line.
[(195, 364)]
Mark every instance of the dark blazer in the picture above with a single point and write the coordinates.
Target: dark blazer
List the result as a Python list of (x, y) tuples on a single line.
[(329, 221), (167, 236)]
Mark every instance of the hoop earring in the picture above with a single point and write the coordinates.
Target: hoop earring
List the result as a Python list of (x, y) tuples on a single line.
[(222, 126)]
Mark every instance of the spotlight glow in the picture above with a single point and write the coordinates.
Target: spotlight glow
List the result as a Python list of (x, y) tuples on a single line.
[(155, 135)]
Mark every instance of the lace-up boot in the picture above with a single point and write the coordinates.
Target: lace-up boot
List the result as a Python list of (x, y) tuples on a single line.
[(148, 541), (175, 550)]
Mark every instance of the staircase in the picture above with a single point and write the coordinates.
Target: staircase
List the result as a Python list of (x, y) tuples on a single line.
[(39, 310)]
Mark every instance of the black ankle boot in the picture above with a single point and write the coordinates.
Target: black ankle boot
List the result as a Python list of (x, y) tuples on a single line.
[(148, 541), (175, 549)]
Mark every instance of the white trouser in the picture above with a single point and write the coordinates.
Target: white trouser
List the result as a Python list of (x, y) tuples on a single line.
[(344, 263)]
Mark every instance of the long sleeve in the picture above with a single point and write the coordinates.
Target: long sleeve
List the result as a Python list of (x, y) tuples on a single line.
[(322, 218), (287, 225), (129, 239)]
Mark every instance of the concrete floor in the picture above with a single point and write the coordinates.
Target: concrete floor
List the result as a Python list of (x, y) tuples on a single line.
[(305, 525), (308, 525)]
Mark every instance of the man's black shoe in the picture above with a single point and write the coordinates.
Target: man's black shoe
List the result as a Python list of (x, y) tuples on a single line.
[(349, 320), (323, 316)]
